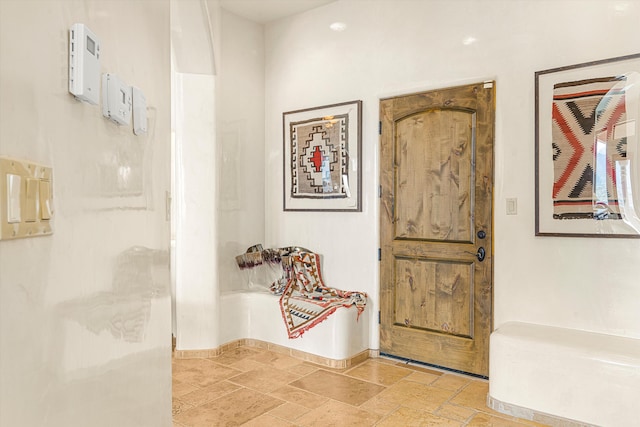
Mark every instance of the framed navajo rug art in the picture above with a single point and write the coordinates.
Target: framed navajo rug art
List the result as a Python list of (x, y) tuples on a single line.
[(322, 156), (587, 152)]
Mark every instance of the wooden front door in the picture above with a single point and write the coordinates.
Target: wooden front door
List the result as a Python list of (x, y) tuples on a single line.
[(436, 226)]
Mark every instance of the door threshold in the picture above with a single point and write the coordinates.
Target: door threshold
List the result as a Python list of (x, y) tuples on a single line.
[(419, 363)]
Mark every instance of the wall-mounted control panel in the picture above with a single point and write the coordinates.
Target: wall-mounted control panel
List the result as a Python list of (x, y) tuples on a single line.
[(116, 99), (26, 199), (84, 64)]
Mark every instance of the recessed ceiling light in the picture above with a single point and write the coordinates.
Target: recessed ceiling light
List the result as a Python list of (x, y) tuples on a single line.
[(468, 40), (338, 26), (621, 7)]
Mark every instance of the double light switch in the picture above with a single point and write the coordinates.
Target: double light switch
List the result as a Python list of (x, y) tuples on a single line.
[(25, 199)]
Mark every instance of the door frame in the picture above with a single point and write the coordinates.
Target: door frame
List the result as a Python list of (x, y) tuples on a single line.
[(490, 83)]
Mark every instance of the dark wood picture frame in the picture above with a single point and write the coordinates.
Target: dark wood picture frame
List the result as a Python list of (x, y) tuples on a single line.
[(322, 158)]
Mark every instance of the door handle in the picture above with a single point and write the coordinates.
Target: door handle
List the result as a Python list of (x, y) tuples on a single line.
[(481, 254)]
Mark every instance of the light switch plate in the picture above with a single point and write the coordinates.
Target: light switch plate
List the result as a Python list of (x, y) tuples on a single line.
[(21, 199)]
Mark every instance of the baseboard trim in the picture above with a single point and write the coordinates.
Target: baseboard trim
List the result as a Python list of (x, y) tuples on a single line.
[(532, 415), (301, 355)]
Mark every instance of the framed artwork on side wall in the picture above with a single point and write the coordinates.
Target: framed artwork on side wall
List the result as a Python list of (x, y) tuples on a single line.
[(322, 158), (587, 153)]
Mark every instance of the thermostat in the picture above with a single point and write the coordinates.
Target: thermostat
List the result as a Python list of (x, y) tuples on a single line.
[(84, 64), (116, 99)]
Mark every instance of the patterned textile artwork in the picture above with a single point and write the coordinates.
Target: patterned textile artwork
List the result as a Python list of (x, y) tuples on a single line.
[(585, 148), (306, 301), (320, 158)]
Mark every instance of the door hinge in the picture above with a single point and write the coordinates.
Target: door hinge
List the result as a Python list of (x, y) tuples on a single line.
[(380, 191), (380, 127), (379, 254), (378, 317)]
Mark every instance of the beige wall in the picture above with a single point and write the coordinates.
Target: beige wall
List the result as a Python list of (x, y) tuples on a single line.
[(84, 313)]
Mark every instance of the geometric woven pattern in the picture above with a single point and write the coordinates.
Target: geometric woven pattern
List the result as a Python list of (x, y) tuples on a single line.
[(306, 302), (585, 147), (319, 157)]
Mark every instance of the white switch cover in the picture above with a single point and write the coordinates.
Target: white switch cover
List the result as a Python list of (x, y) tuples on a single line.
[(25, 203), (512, 206), (46, 210), (14, 192)]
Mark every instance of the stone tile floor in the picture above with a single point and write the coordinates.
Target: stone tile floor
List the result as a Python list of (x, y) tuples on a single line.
[(257, 387)]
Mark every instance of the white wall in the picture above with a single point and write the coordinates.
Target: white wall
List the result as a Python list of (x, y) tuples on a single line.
[(194, 224), (84, 313), (241, 162), (404, 46), (218, 96)]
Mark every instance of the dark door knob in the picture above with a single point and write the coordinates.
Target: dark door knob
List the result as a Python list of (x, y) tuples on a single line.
[(480, 254)]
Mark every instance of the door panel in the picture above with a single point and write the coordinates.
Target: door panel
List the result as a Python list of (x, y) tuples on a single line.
[(433, 186), (436, 178), (447, 291)]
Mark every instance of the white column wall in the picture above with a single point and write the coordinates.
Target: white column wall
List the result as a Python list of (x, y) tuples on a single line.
[(85, 312), (219, 166)]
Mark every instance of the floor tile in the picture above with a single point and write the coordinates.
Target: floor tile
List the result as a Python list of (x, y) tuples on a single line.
[(415, 395), (203, 373), (276, 360), (457, 413), (407, 417), (299, 396), (379, 406), (422, 377), (232, 409), (234, 355), (380, 373), (262, 387), (451, 382), (333, 413), (420, 369), (338, 387), (207, 394), (289, 411), (303, 369), (265, 379), (178, 406), (474, 395), (180, 389), (246, 365), (486, 420), (267, 420)]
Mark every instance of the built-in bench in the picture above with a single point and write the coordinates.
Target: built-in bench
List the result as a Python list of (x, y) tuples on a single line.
[(564, 377), (257, 315)]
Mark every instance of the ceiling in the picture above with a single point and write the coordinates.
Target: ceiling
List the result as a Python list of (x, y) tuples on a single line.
[(263, 11)]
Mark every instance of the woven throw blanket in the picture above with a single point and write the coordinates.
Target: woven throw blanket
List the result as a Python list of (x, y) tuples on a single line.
[(585, 147), (306, 301)]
